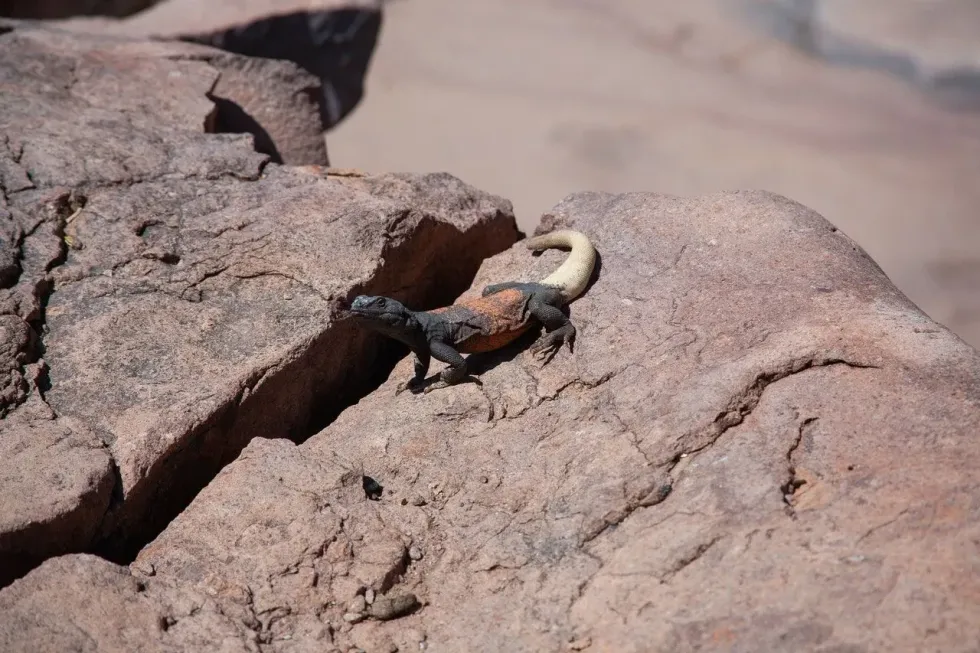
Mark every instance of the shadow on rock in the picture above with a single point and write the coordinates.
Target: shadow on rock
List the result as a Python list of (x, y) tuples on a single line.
[(232, 118), (66, 8), (335, 45)]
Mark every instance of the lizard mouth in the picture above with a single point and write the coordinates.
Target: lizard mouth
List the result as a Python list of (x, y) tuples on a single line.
[(362, 307)]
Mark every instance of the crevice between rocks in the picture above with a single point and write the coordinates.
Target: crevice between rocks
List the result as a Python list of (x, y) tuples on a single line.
[(295, 398), (57, 211)]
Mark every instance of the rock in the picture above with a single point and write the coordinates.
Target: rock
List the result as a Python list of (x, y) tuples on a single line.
[(81, 602), (333, 41), (276, 101), (47, 9), (392, 607), (734, 348), (359, 604), (189, 287), (57, 480), (580, 644)]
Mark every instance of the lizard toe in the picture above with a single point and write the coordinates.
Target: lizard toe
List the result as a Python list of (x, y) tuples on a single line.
[(434, 386), (411, 384)]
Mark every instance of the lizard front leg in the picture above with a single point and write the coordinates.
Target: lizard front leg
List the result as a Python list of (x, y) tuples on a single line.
[(456, 371), (421, 369)]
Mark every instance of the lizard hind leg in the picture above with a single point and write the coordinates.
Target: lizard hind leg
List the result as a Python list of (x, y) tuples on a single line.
[(559, 331)]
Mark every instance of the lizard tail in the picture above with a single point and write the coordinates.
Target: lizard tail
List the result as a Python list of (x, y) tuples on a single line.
[(573, 275)]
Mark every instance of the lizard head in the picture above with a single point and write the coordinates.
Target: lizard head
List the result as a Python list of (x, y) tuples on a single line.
[(380, 311)]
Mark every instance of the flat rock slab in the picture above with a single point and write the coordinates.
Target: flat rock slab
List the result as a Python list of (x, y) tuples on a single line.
[(759, 444), (171, 294)]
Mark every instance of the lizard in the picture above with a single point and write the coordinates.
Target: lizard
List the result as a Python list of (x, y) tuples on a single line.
[(502, 313)]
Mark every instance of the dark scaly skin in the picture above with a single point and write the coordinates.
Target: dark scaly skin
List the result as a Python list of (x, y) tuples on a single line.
[(501, 315)]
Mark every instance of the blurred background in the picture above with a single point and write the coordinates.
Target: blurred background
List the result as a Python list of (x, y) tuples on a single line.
[(866, 110)]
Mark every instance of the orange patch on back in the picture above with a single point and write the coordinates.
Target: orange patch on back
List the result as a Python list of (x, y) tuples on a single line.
[(480, 343), (506, 319)]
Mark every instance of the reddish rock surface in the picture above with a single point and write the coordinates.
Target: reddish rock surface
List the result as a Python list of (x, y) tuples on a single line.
[(168, 294), (758, 444), (332, 40)]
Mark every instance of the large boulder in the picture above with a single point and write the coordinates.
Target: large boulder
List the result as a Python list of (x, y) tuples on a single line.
[(759, 444), (168, 293), (331, 40)]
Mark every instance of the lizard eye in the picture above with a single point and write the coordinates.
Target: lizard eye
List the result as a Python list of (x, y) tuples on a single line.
[(381, 302)]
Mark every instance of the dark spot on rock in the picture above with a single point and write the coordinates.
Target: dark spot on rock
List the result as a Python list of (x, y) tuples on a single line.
[(372, 489)]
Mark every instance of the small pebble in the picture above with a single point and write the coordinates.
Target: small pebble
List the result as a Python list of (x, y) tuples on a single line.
[(354, 617), (418, 500), (359, 604), (385, 608), (415, 553), (484, 479), (580, 644), (369, 596)]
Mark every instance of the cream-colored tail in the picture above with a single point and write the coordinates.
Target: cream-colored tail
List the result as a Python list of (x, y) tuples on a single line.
[(573, 275)]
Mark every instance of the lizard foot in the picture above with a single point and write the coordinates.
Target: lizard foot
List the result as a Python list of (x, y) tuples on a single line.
[(443, 384), (411, 384), (434, 386), (545, 347)]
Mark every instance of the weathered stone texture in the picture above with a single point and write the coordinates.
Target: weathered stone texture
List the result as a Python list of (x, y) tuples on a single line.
[(741, 454), (168, 294)]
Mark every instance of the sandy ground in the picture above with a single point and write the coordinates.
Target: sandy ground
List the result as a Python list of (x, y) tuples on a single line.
[(534, 99)]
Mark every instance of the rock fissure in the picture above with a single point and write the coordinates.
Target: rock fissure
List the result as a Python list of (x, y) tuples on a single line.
[(651, 494), (687, 560), (793, 482), (745, 401), (54, 213), (888, 522), (283, 275)]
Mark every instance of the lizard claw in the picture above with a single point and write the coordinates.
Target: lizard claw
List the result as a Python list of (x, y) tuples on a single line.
[(411, 384), (434, 386), (550, 344)]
